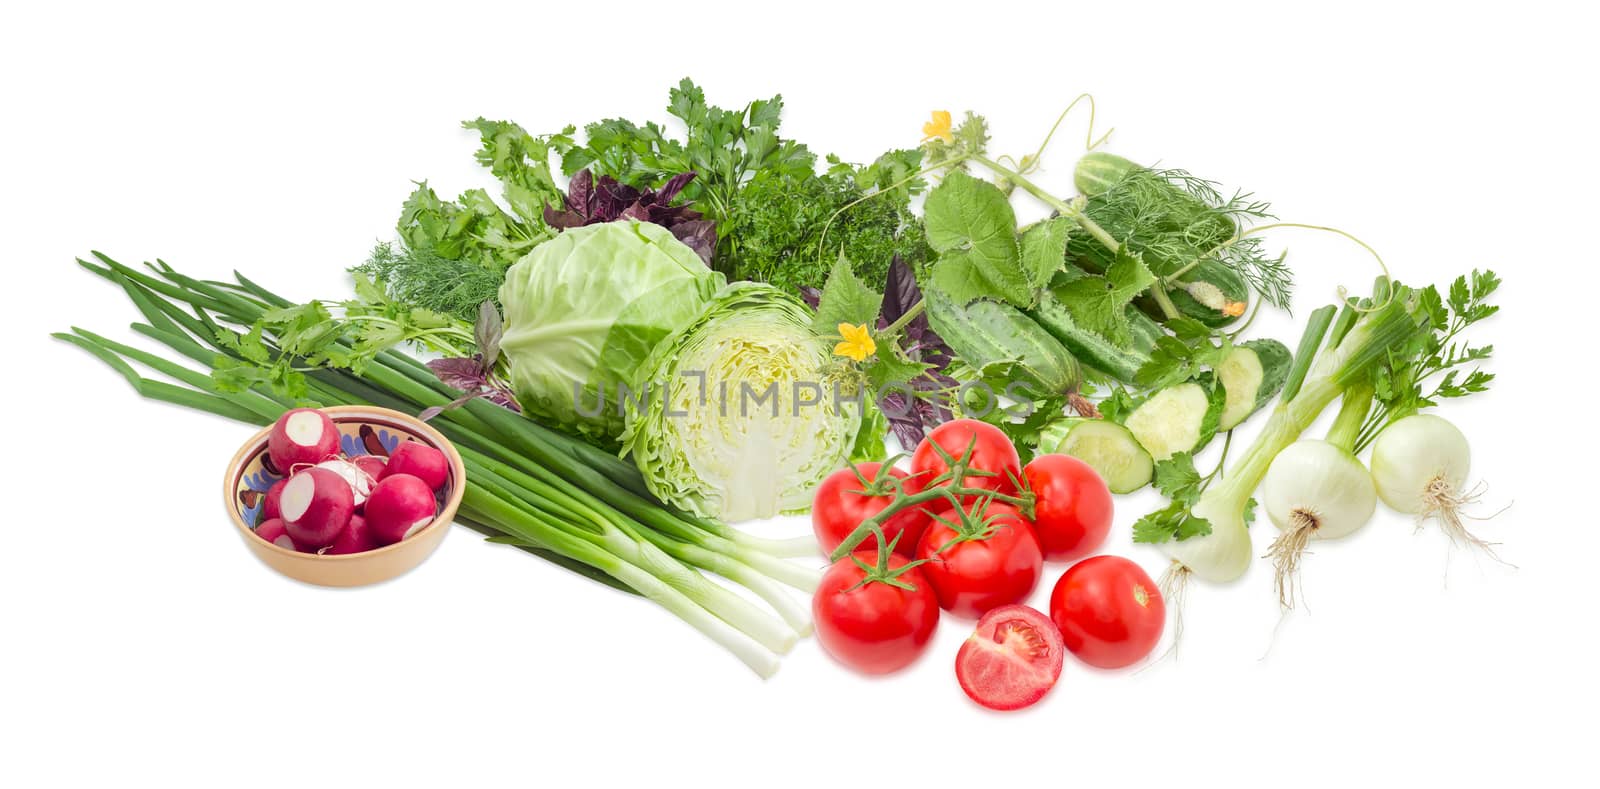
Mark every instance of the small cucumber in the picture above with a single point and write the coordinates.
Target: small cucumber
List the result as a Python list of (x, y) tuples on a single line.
[(1178, 418), (998, 339), (1250, 377), (1093, 350), (1230, 286), (1109, 448)]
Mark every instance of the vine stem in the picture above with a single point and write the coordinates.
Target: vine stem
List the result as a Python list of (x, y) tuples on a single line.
[(1243, 234), (1074, 210)]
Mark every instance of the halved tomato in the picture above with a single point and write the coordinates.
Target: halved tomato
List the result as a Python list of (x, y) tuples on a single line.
[(1012, 659)]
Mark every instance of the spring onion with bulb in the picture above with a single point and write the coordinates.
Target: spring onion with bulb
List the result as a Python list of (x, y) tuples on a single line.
[(528, 486), (1206, 532)]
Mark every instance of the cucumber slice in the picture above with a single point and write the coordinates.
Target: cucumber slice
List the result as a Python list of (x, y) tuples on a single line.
[(1107, 447), (1251, 376), (1173, 420)]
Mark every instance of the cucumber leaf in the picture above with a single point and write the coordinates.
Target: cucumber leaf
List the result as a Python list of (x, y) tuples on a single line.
[(1044, 250), (1097, 302), (970, 223), (845, 299)]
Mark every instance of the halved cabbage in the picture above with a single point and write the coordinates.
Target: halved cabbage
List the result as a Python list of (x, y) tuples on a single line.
[(742, 421)]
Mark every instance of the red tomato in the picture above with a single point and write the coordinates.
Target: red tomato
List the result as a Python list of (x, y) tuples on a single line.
[(874, 628), (841, 505), (1110, 613), (973, 576), (1012, 659), (1072, 511), (991, 451)]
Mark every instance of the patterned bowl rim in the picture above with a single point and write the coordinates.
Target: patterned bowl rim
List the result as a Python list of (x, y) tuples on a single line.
[(384, 417)]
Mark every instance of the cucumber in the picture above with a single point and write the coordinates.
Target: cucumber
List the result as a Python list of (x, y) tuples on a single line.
[(1106, 446), (1093, 350), (1178, 418), (990, 335), (1172, 228), (1250, 377), (1233, 288)]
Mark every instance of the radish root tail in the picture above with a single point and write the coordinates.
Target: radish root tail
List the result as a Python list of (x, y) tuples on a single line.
[(1443, 502), (1285, 554)]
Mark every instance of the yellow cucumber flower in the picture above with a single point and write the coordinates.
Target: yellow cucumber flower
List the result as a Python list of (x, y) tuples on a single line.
[(938, 127), (857, 344)]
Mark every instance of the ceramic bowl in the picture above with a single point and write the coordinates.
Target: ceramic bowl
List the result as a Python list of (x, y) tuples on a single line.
[(364, 430)]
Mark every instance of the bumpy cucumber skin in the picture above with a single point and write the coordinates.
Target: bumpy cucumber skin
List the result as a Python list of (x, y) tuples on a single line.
[(987, 332), (1276, 361), (1056, 436), (1093, 350), (1097, 171), (1226, 279)]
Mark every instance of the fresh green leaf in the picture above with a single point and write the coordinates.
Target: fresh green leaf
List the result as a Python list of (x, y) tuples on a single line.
[(1172, 522), (1097, 303), (1177, 478), (846, 299), (1044, 250), (970, 224)]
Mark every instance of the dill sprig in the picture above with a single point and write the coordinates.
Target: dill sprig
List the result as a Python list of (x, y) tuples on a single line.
[(420, 278), (1175, 219)]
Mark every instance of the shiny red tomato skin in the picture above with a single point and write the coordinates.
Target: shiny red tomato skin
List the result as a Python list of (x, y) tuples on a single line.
[(1109, 611), (974, 576), (839, 507), (1073, 509), (874, 628), (992, 451)]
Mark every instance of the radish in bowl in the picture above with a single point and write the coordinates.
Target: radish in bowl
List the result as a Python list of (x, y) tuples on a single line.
[(400, 506), (360, 481), (356, 538), (302, 437), (316, 505), (371, 465), (269, 507), (273, 531), (421, 461)]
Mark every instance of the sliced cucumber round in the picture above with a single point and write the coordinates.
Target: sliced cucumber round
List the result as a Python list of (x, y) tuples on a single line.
[(1172, 420), (1110, 450)]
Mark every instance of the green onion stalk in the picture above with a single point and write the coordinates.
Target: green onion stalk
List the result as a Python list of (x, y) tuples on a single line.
[(527, 486)]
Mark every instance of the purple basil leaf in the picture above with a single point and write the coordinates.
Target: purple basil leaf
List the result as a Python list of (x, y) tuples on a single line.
[(673, 186), (579, 190), (812, 296), (464, 374), (487, 332), (700, 235)]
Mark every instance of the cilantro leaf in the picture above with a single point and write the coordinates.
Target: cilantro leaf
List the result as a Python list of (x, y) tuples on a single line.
[(1172, 522), (1177, 478)]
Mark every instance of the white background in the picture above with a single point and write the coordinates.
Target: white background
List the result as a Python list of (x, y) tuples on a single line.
[(140, 642)]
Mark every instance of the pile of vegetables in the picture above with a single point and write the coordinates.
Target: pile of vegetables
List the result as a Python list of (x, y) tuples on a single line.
[(967, 531), (655, 330)]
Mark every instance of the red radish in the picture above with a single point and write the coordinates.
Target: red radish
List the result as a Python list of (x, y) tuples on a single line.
[(371, 464), (316, 505), (360, 481), (272, 531), (420, 461), (269, 508), (400, 506), (302, 437), (355, 538)]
